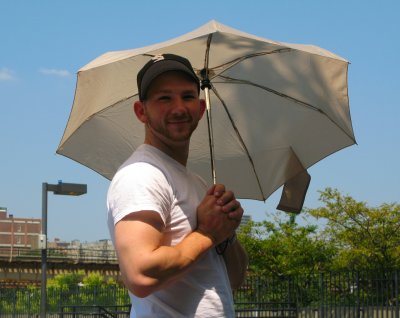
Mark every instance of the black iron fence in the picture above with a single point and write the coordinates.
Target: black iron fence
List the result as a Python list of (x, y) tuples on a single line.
[(76, 311), (323, 295), (25, 302), (333, 294)]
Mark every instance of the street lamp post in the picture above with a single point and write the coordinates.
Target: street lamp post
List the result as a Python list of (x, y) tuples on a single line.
[(61, 189)]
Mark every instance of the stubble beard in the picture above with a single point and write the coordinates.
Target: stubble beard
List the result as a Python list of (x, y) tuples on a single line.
[(163, 131)]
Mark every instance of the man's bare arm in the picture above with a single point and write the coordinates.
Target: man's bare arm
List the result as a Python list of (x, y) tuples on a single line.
[(146, 265), (236, 261)]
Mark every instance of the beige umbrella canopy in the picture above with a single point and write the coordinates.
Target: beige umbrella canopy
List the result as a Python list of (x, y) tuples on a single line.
[(277, 109)]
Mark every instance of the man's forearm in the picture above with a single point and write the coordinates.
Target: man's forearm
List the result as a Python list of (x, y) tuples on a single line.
[(165, 264), (181, 256), (236, 261)]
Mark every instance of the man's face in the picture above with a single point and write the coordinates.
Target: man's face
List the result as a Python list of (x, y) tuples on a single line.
[(172, 109)]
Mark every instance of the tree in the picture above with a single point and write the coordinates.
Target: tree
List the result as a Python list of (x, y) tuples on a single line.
[(283, 247), (366, 237)]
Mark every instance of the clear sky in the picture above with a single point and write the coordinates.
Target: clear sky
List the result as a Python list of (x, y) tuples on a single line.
[(44, 43)]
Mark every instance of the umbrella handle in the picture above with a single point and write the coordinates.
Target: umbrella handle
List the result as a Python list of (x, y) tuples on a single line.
[(210, 132)]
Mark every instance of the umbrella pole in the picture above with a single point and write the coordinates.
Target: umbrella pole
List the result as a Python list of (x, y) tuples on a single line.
[(210, 131)]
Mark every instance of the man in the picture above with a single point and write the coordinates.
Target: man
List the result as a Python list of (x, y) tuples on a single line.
[(174, 237)]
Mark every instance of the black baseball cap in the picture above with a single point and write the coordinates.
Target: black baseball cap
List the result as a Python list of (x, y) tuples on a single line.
[(160, 64)]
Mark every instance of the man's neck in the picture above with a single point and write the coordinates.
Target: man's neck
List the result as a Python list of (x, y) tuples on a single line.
[(179, 153)]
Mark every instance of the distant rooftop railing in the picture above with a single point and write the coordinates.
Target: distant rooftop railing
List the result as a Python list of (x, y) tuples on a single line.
[(69, 254)]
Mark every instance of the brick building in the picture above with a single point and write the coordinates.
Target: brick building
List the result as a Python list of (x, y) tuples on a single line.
[(18, 233)]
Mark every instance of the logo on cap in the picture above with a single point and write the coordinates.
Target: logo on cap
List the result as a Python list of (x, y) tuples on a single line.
[(158, 57)]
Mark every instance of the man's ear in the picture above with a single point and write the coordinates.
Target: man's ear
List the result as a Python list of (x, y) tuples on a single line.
[(138, 108), (202, 107)]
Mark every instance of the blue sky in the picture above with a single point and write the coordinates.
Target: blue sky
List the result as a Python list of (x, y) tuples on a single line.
[(44, 43)]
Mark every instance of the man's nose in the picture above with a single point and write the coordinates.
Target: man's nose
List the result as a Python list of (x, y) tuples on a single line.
[(179, 105)]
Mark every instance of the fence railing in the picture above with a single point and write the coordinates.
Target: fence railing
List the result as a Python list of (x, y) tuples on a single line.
[(70, 254), (323, 295), (332, 294), (94, 311)]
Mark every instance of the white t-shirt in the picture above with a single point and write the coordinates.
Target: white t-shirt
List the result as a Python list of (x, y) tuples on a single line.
[(151, 180)]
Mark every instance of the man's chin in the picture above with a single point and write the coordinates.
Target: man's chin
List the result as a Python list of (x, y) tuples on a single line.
[(180, 138), (181, 135)]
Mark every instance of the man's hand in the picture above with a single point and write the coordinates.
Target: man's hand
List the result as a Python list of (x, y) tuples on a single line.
[(219, 214)]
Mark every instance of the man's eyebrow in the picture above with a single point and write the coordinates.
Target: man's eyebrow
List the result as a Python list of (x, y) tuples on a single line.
[(190, 91), (166, 90), (162, 90)]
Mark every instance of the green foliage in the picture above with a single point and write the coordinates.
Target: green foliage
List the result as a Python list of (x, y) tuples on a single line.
[(27, 300), (355, 236), (93, 279), (76, 288), (66, 280), (365, 237), (283, 247), (71, 280)]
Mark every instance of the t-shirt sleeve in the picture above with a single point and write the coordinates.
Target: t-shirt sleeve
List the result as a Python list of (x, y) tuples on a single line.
[(139, 187)]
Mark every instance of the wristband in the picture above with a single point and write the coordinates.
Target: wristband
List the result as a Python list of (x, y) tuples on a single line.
[(233, 239), (221, 248)]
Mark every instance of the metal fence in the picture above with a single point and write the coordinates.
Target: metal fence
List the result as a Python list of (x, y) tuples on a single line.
[(323, 295), (25, 302), (121, 311), (333, 294)]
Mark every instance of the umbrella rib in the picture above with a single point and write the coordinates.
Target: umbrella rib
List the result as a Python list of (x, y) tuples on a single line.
[(298, 101), (232, 80), (240, 140), (237, 60), (207, 53)]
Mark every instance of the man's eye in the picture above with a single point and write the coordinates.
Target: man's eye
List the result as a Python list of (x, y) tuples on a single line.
[(164, 98), (189, 96)]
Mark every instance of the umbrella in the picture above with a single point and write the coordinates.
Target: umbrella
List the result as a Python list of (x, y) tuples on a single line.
[(274, 110)]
